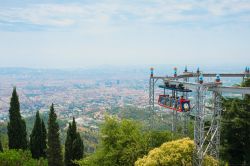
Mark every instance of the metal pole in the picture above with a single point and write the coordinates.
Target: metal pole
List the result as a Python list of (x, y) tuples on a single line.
[(173, 114), (199, 126), (185, 115), (151, 100)]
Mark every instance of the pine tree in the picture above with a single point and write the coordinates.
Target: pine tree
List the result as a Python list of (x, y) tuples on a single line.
[(1, 147), (43, 142), (54, 147), (77, 148), (37, 139), (77, 143), (73, 145), (16, 126), (73, 128), (68, 147)]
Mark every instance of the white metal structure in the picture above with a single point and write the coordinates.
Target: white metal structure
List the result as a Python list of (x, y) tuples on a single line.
[(206, 141)]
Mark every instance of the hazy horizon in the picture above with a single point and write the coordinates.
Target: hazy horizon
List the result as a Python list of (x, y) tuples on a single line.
[(159, 69)]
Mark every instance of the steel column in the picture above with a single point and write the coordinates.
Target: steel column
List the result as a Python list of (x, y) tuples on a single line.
[(199, 125)]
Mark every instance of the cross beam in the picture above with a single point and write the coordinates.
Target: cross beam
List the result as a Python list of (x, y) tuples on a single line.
[(212, 86), (190, 74)]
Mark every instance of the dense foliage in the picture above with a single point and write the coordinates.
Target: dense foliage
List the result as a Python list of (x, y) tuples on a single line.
[(123, 142), (73, 145), (43, 140), (38, 138), (144, 116), (1, 146), (235, 134), (54, 146), (20, 158), (177, 152), (16, 127)]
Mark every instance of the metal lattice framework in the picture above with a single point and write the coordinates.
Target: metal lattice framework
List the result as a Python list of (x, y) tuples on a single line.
[(199, 124), (206, 141), (152, 99), (213, 145)]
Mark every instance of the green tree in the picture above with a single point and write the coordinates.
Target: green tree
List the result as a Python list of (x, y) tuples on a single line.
[(1, 146), (246, 118), (235, 134), (122, 142), (156, 138), (68, 147), (77, 148), (16, 126), (20, 158), (43, 140), (73, 145), (177, 152), (54, 147), (37, 139)]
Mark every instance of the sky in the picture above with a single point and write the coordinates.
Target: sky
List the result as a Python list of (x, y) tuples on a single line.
[(83, 33)]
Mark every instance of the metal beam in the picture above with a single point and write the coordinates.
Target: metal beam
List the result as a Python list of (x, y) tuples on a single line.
[(224, 89), (224, 74), (186, 75), (213, 87), (159, 77), (190, 85)]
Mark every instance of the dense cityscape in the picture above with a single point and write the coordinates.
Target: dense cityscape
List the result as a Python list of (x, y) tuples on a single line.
[(84, 94), (85, 97)]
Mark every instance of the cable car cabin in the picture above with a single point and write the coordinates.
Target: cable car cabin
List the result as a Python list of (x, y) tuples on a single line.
[(174, 103), (180, 105)]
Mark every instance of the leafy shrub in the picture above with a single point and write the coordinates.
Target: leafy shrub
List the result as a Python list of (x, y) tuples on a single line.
[(177, 153), (20, 158)]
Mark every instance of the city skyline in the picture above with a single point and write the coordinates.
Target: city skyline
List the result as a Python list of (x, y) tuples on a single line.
[(72, 34)]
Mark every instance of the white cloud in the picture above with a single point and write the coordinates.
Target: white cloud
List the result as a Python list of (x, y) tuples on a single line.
[(124, 12), (51, 15)]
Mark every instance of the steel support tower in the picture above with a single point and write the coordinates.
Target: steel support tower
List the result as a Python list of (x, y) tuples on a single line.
[(207, 142), (151, 93), (199, 124), (214, 143), (151, 101)]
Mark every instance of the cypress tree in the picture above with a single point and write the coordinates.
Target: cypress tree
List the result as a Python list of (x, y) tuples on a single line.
[(37, 139), (77, 148), (1, 147), (68, 147), (73, 145), (16, 126), (54, 147), (74, 128), (43, 142)]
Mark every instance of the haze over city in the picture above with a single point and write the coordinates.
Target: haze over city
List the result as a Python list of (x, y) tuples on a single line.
[(84, 33)]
